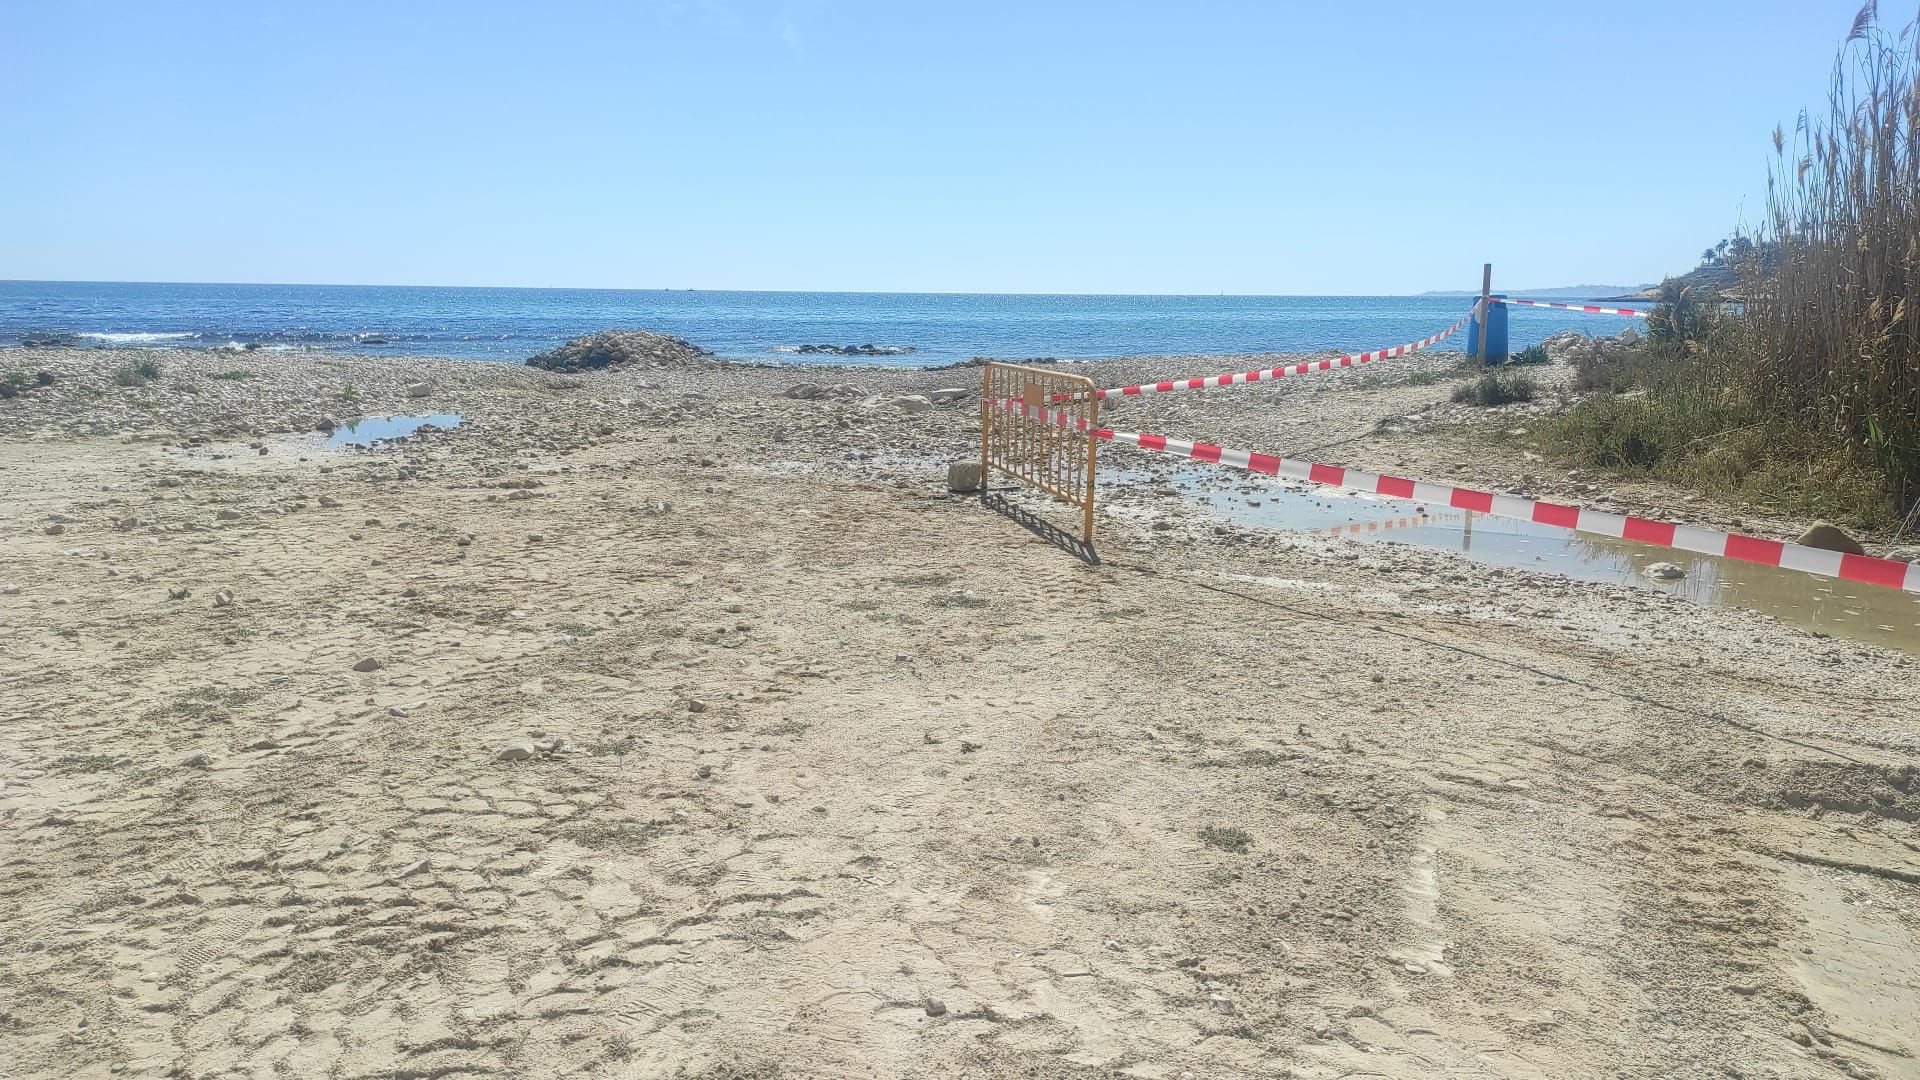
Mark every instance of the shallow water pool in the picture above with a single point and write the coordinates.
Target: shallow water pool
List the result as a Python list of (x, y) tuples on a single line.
[(1881, 616), (372, 429)]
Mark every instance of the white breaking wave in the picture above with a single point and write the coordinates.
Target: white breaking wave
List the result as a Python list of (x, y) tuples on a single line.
[(134, 338)]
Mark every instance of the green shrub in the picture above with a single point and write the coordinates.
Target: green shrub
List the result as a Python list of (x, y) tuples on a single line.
[(1496, 388), (1532, 354)]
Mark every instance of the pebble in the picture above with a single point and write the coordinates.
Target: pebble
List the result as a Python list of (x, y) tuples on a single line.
[(1664, 571), (1220, 1004), (223, 598), (371, 663), (197, 761), (413, 868), (516, 751), (936, 1007), (465, 539)]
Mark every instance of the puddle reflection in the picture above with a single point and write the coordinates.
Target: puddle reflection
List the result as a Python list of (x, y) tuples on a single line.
[(372, 429), (1866, 613)]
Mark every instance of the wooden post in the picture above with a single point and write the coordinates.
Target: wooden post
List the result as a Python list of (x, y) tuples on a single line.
[(1486, 309)]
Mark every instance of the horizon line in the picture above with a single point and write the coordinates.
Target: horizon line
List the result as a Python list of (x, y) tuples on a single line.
[(1435, 293)]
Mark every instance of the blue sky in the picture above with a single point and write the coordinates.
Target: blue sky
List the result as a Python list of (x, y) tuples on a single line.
[(1173, 147)]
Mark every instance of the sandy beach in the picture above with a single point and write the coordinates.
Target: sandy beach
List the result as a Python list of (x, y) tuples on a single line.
[(659, 723)]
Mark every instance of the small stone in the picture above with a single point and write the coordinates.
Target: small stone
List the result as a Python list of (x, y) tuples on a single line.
[(1664, 571), (180, 593), (419, 390), (55, 529), (229, 514), (1220, 1004), (371, 663), (411, 869), (9, 590), (704, 772), (696, 706), (936, 1007), (223, 598), (465, 539), (516, 751), (197, 761), (329, 502)]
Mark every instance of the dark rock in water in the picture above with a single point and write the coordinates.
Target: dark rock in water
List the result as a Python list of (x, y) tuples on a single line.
[(373, 339), (854, 350), (48, 340), (620, 348)]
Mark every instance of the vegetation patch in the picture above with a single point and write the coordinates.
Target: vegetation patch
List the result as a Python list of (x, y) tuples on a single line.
[(1226, 838), (1497, 388)]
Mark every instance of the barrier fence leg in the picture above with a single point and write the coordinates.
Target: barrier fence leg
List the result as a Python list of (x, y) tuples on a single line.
[(986, 424)]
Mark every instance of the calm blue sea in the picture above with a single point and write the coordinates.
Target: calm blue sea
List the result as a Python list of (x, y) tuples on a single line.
[(512, 324)]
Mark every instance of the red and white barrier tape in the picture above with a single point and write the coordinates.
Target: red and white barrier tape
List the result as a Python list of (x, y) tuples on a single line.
[(1865, 569), (1239, 377), (1588, 308)]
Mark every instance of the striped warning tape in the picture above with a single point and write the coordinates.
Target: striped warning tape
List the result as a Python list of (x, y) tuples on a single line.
[(1588, 308), (1865, 569), (1264, 374)]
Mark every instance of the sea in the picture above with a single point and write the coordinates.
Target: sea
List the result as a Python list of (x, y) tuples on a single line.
[(906, 329)]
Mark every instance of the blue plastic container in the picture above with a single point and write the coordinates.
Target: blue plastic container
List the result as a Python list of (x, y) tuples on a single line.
[(1496, 333)]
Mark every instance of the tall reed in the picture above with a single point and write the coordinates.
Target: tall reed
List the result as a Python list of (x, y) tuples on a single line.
[(1832, 326)]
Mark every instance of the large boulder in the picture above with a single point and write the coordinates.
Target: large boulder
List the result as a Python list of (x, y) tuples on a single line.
[(619, 349)]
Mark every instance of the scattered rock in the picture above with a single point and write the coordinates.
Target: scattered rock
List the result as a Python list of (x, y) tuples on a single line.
[(1830, 537), (619, 349), (1220, 1004), (516, 751), (815, 392), (55, 529), (963, 477), (913, 403), (223, 598), (935, 1007), (371, 663), (951, 395), (229, 514), (197, 761), (419, 390), (413, 868), (849, 350), (1664, 571), (328, 502)]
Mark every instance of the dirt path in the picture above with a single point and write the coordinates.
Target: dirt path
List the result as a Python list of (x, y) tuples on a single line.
[(857, 778)]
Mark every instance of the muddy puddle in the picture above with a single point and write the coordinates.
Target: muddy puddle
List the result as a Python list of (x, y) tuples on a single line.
[(1867, 613), (373, 429)]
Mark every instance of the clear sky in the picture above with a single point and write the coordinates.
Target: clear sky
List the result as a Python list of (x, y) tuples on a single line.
[(1367, 146)]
